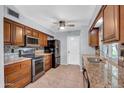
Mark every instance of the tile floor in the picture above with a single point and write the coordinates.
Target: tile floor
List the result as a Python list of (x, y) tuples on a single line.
[(64, 76)]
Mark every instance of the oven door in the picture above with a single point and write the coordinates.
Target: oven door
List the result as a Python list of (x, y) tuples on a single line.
[(37, 66)]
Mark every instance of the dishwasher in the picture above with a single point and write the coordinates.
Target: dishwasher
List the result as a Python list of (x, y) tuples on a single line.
[(86, 81)]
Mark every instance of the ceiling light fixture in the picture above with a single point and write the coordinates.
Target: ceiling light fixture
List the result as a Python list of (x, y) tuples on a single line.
[(61, 25)]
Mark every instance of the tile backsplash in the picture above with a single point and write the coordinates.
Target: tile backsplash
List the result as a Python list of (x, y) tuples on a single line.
[(10, 49)]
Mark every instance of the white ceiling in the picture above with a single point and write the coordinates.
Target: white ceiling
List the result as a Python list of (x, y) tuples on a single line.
[(80, 15)]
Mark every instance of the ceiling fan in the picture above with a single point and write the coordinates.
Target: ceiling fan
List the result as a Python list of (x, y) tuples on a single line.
[(62, 24)]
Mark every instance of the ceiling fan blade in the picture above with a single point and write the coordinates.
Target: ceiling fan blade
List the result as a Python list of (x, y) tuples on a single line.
[(73, 21), (70, 25), (55, 23)]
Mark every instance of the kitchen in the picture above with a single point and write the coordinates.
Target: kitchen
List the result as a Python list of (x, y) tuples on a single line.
[(32, 52)]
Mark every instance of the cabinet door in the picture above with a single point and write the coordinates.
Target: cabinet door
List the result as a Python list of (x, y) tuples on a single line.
[(121, 24), (18, 74), (35, 34), (111, 23), (48, 62), (28, 31), (94, 37), (18, 35), (45, 40), (41, 39), (7, 31)]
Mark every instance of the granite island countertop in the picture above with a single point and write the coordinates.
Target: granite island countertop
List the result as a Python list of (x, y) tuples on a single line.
[(104, 74)]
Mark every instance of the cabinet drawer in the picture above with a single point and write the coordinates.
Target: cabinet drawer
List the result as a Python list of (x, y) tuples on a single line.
[(23, 82), (12, 68), (13, 77), (26, 64)]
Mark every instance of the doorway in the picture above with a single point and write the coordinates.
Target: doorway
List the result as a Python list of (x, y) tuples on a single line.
[(73, 48)]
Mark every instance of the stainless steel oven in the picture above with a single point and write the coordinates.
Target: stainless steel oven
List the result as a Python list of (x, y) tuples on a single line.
[(31, 41), (37, 68), (37, 62)]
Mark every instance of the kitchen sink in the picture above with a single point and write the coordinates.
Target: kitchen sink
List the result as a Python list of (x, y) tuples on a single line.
[(94, 60)]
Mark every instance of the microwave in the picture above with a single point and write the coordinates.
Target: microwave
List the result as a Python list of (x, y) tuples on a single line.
[(31, 41)]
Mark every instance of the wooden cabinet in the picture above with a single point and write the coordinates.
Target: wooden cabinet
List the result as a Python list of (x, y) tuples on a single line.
[(94, 37), (18, 34), (48, 62), (18, 75), (28, 31), (31, 32), (43, 39), (7, 32), (35, 34), (121, 24), (111, 23), (14, 33)]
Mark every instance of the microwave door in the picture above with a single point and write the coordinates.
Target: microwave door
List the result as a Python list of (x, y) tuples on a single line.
[(32, 41)]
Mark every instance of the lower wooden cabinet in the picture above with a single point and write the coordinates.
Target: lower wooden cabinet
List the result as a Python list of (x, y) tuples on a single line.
[(18, 75), (48, 62)]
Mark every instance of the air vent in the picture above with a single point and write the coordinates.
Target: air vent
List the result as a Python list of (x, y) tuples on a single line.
[(13, 13)]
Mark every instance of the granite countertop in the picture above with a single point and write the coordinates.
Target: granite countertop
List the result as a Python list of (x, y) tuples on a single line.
[(15, 60), (104, 74)]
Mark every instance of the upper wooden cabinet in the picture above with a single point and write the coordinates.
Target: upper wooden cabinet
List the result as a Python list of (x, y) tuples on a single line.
[(111, 23), (18, 34), (31, 32), (94, 37), (7, 31), (35, 33), (121, 24), (28, 31), (14, 33), (43, 39)]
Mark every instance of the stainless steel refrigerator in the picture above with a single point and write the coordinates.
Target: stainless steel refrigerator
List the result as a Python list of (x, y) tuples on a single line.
[(54, 48)]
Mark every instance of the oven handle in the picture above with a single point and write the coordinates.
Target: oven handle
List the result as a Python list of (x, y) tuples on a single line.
[(37, 59)]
